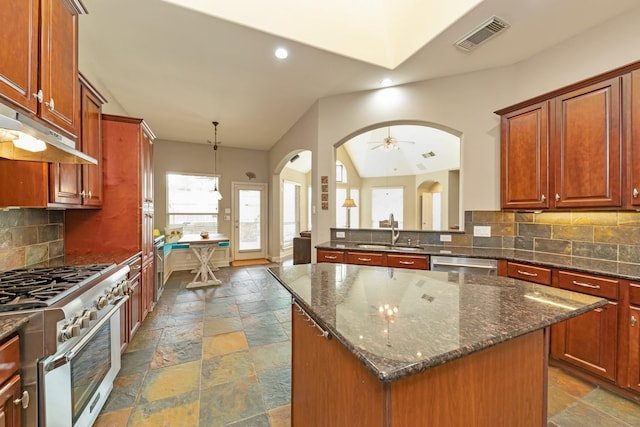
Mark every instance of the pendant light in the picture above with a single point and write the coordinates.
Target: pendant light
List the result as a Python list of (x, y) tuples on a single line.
[(216, 193)]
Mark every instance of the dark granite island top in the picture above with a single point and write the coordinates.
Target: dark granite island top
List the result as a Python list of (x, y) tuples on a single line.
[(401, 324)]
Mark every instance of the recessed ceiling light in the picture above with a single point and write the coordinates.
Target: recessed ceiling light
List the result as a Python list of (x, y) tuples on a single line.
[(281, 53), (386, 82)]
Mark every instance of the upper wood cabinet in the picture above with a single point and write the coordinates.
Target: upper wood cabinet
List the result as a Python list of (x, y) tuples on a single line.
[(566, 149), (39, 59), (632, 190), (587, 147), (525, 158), (81, 185)]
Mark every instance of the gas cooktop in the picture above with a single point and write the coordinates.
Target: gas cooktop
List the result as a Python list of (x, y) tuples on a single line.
[(25, 289)]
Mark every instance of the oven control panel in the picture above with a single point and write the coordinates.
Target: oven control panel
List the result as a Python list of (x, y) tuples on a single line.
[(88, 310)]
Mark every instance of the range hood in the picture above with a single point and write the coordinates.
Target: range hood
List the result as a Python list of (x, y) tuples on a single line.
[(50, 146)]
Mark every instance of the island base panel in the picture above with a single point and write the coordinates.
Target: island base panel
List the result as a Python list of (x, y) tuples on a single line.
[(504, 385)]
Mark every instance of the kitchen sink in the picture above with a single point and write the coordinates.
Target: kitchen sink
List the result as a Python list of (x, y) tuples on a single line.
[(372, 246), (405, 248)]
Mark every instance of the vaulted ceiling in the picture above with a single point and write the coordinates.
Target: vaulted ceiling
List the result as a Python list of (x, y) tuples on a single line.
[(181, 67)]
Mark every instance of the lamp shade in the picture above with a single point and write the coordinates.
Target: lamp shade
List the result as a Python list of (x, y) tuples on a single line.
[(349, 203)]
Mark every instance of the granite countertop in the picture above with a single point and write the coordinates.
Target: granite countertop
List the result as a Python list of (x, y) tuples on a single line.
[(440, 316), (610, 268), (12, 324)]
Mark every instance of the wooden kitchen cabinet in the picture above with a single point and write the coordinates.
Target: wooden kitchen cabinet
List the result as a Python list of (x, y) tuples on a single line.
[(130, 318), (589, 341), (587, 146), (529, 273), (632, 189), (633, 319), (39, 59), (416, 262), (324, 255), (564, 150), (81, 185), (525, 158), (10, 383), (365, 258), (125, 222)]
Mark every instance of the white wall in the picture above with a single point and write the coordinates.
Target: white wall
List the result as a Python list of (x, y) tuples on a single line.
[(465, 103)]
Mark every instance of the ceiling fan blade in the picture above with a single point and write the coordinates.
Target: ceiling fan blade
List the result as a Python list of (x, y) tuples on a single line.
[(377, 146)]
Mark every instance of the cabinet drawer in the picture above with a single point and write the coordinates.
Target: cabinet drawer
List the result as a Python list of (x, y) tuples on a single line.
[(9, 358), (365, 258), (405, 261), (587, 284), (529, 273), (330, 256)]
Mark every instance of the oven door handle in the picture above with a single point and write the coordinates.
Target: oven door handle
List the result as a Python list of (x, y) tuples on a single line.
[(69, 355)]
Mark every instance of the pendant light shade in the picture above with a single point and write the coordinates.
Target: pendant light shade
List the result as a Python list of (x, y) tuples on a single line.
[(216, 193)]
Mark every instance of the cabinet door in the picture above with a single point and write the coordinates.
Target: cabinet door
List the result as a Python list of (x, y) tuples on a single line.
[(587, 147), (91, 142), (633, 178), (134, 303), (525, 158), (59, 64), (19, 53), (65, 184), (146, 290), (634, 348), (10, 413), (589, 341)]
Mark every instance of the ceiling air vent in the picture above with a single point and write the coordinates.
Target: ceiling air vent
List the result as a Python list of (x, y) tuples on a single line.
[(482, 33)]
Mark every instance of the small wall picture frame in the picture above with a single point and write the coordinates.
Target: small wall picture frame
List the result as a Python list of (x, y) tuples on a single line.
[(324, 197), (324, 179), (325, 206), (325, 188)]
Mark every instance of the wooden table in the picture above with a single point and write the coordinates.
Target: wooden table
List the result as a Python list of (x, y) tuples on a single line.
[(204, 249)]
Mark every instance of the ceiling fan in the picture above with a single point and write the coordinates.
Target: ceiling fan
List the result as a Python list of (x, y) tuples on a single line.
[(389, 143)]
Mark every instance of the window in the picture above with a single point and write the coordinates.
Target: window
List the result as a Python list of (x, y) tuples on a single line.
[(191, 204), (341, 173), (290, 213), (386, 201)]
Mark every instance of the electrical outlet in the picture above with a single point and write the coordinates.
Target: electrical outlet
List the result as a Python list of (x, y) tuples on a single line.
[(340, 235), (445, 237), (482, 231)]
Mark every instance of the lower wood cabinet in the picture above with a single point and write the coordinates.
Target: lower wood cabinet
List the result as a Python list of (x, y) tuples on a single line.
[(130, 314), (633, 323), (380, 259), (10, 383), (589, 341)]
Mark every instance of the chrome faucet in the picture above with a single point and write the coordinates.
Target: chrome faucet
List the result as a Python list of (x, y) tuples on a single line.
[(395, 234)]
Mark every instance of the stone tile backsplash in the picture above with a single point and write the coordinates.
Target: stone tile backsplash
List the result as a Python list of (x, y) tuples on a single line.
[(29, 237), (586, 237)]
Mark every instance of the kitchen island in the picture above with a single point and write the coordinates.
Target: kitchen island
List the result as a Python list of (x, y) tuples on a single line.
[(375, 346)]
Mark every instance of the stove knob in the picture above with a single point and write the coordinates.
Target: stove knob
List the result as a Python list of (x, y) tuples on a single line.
[(125, 286), (117, 291), (69, 332), (102, 302), (91, 313), (81, 322)]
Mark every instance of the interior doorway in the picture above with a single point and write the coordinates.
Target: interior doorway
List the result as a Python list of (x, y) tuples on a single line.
[(249, 221)]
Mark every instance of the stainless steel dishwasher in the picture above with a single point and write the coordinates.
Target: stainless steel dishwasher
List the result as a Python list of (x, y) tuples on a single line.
[(465, 265)]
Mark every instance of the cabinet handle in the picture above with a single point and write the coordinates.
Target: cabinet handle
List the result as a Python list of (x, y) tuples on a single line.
[(406, 262), (82, 194), (557, 197), (23, 401), (526, 273), (543, 198), (364, 259), (586, 285), (89, 193), (330, 257), (633, 321), (635, 193), (51, 104), (38, 96)]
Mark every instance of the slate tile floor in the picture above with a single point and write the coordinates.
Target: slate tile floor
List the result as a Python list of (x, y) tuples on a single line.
[(220, 356)]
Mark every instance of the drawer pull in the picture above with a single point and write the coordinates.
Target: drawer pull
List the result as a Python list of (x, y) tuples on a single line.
[(406, 262), (330, 257), (633, 321), (526, 273), (364, 259), (586, 285)]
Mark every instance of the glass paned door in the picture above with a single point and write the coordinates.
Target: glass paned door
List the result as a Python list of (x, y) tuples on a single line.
[(249, 221)]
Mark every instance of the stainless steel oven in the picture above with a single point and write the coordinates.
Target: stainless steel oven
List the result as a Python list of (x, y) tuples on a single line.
[(77, 383), (70, 348)]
